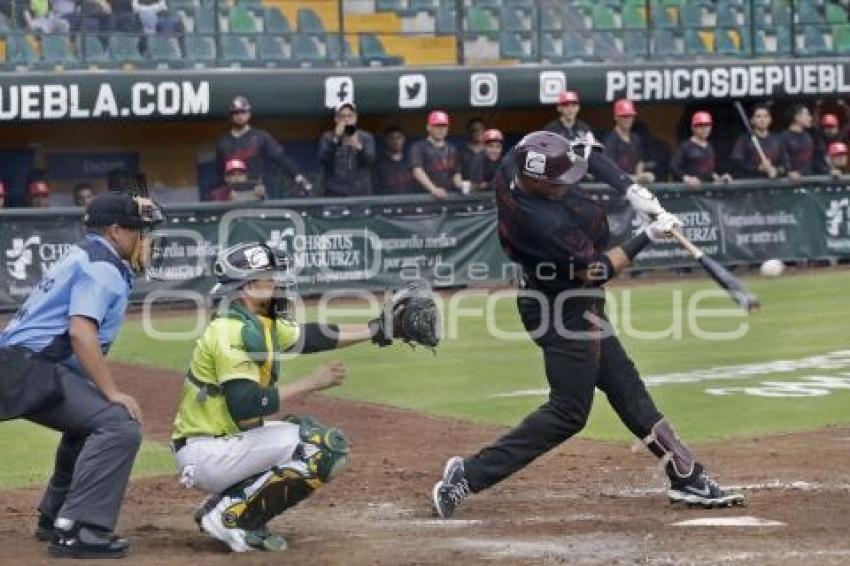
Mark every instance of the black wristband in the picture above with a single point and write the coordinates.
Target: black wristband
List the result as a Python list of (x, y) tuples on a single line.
[(633, 246)]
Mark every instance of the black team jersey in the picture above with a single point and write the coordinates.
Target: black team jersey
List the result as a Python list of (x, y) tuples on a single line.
[(578, 128), (746, 160), (800, 148), (693, 160), (258, 149), (393, 176), (483, 170), (625, 154), (440, 163)]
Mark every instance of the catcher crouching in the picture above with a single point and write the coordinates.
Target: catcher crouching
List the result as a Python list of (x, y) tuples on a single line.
[(254, 469)]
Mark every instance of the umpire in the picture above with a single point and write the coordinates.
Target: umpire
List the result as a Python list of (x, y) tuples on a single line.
[(559, 235), (55, 374)]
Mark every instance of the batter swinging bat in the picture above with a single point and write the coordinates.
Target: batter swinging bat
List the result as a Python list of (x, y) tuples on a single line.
[(753, 135), (721, 275)]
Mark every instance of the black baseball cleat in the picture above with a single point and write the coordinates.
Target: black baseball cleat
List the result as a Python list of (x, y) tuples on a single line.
[(700, 490), (44, 530), (76, 540), (450, 491)]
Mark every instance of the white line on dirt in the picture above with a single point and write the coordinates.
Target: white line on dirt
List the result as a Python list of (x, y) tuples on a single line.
[(443, 523), (744, 521)]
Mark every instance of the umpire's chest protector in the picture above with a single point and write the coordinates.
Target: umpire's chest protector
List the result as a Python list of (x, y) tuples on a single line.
[(27, 384)]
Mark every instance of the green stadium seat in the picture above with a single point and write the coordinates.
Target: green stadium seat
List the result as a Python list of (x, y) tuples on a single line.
[(781, 12), (549, 47), (419, 5), (236, 49), (605, 47), (511, 46), (725, 44), (634, 15), (57, 50), (241, 20), (808, 13), (309, 22), (305, 51), (94, 52), (813, 41), (841, 39), (551, 18), (665, 43), (728, 14), (271, 51), (603, 17), (574, 18), (164, 49), (348, 57), (694, 43), (274, 21), (389, 5), (479, 19), (204, 20), (690, 13), (575, 46), (19, 49), (512, 20), (636, 43), (446, 19), (125, 49), (200, 49), (4, 24), (662, 16), (372, 51), (836, 14)]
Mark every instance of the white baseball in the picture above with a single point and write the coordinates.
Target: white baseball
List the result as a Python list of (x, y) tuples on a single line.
[(772, 268)]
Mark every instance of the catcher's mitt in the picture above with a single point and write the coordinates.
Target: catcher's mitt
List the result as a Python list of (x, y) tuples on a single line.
[(411, 315)]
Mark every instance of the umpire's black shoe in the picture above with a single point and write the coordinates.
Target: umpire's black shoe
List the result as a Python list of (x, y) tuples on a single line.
[(700, 490), (450, 492), (76, 540), (44, 530)]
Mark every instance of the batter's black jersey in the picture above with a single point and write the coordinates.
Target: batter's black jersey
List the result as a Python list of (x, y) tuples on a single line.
[(800, 148), (746, 159), (578, 128), (483, 170), (694, 160), (393, 176), (552, 239), (626, 154), (440, 163), (257, 148)]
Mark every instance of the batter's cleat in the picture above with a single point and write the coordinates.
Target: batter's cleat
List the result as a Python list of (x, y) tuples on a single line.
[(76, 540), (263, 539), (702, 491), (450, 491), (44, 530), (213, 524)]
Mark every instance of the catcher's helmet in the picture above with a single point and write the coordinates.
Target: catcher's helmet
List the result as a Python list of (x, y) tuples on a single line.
[(237, 265), (546, 160)]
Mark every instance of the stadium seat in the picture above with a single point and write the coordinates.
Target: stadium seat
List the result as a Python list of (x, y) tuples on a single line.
[(240, 20), (389, 5), (841, 39), (549, 47), (575, 46), (56, 49), (94, 52), (372, 51), (125, 49), (204, 20), (417, 5), (730, 42), (4, 24), (479, 19), (813, 41), (164, 49), (274, 21), (665, 43), (695, 43), (271, 51), (808, 13), (635, 43), (605, 47), (306, 51), (334, 52), (574, 18), (512, 46), (634, 15), (728, 14), (781, 12), (200, 49), (836, 14), (20, 49), (513, 20), (691, 14), (309, 22), (664, 17), (551, 18), (446, 19), (493, 4), (236, 49), (603, 17)]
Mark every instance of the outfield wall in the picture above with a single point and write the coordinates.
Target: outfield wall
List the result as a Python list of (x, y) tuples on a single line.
[(372, 242)]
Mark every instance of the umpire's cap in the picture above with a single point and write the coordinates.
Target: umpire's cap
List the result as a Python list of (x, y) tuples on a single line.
[(546, 160), (123, 209), (241, 263)]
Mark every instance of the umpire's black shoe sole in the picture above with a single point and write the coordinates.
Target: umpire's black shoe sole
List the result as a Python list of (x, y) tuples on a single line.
[(118, 548), (44, 534)]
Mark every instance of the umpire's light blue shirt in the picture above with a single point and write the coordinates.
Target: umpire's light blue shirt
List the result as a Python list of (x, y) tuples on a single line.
[(92, 281)]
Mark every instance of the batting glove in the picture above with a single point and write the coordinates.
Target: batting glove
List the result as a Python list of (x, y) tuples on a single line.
[(659, 230), (643, 201)]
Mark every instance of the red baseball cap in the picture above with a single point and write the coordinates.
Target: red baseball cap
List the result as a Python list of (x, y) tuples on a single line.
[(2, 189), (829, 121), (837, 148), (492, 135), (38, 189), (568, 97), (701, 118), (235, 165), (438, 118), (624, 107)]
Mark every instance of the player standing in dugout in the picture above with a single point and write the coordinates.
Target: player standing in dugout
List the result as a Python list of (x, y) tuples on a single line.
[(559, 236), (55, 375)]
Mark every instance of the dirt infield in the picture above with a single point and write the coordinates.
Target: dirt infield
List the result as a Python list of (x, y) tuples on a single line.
[(585, 503)]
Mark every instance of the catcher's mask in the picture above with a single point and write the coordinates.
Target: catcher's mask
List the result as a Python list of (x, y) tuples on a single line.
[(134, 213), (237, 265), (546, 161)]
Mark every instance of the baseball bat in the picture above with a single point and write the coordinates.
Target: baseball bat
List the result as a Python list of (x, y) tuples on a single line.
[(745, 299), (749, 127)]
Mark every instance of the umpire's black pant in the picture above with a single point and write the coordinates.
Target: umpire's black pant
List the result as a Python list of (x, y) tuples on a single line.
[(97, 450), (579, 356)]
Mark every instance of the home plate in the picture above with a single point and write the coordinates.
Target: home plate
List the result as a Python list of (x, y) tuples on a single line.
[(729, 522)]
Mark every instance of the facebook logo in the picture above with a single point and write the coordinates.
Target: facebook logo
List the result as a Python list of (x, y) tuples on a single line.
[(338, 90)]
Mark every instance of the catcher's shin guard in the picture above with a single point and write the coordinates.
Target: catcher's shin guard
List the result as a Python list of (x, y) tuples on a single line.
[(266, 496), (663, 442), (324, 450)]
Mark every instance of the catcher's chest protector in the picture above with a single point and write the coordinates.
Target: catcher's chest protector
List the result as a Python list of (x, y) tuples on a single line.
[(254, 338)]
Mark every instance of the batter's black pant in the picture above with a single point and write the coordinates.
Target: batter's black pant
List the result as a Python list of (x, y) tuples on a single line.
[(579, 356)]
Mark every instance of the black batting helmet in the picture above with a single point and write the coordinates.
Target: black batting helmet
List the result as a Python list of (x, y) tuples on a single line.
[(240, 104), (546, 160)]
